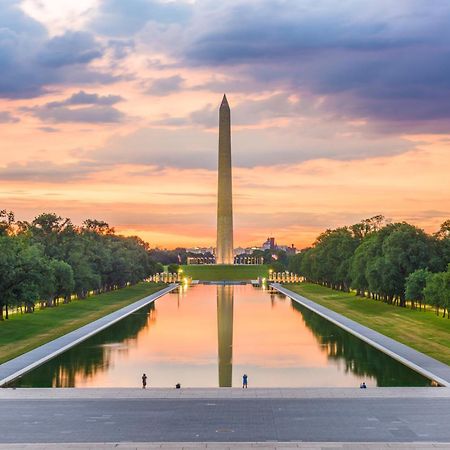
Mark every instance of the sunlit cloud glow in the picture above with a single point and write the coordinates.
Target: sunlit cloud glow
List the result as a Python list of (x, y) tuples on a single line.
[(108, 109)]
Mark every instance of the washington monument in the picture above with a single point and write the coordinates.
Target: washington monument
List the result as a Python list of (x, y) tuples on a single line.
[(224, 248)]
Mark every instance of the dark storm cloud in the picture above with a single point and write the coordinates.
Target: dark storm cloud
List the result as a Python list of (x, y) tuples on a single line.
[(80, 107), (124, 18), (30, 60), (388, 61)]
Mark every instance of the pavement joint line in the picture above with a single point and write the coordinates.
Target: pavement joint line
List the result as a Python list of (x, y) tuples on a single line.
[(230, 445), (351, 326), (114, 317)]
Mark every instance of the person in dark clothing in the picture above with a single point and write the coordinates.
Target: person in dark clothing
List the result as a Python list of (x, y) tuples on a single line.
[(144, 381), (245, 381)]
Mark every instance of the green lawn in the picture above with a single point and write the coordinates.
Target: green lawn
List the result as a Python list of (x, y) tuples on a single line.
[(225, 272), (421, 330), (23, 332)]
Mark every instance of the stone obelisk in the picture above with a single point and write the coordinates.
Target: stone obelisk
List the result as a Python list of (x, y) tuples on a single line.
[(224, 249)]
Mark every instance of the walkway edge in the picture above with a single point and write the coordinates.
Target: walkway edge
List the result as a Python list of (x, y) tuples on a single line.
[(389, 346), (154, 393), (22, 364)]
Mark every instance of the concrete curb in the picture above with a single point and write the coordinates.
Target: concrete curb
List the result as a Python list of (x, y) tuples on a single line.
[(221, 393), (16, 367), (421, 363)]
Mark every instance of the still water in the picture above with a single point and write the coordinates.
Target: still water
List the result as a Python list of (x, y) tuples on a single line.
[(209, 336)]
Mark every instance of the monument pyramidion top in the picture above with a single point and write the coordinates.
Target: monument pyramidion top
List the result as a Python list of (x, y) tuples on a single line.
[(224, 103)]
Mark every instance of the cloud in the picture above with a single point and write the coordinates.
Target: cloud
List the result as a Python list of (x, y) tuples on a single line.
[(119, 18), (81, 107), (69, 49), (385, 61), (84, 98), (46, 171), (89, 114), (254, 112), (121, 48), (30, 60), (193, 147), (187, 148), (49, 129), (165, 86), (7, 117)]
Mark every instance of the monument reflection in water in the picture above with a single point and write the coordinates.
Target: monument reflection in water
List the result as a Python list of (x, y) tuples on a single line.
[(225, 334), (208, 336)]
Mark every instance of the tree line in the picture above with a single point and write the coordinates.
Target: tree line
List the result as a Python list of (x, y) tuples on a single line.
[(390, 262), (49, 260)]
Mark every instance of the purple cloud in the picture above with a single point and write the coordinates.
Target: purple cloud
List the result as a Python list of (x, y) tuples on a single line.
[(30, 60), (7, 117), (385, 61), (80, 107), (165, 86), (119, 18)]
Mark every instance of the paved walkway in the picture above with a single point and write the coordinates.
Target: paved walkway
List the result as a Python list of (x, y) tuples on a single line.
[(232, 446), (221, 393), (225, 420), (427, 366), (24, 363)]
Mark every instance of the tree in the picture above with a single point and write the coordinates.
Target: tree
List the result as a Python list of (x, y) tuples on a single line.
[(406, 249), (415, 285), (23, 270), (294, 262), (6, 222), (50, 258), (98, 227), (362, 229), (276, 267), (444, 230), (434, 290), (359, 265), (437, 291), (173, 268), (59, 283)]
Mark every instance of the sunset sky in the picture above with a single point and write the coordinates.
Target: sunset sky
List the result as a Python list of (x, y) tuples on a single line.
[(340, 111)]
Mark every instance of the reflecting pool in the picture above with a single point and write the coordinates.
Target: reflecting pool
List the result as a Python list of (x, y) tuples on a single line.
[(210, 335)]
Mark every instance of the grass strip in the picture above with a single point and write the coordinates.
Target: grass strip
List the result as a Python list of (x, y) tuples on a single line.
[(24, 332), (225, 272), (421, 330)]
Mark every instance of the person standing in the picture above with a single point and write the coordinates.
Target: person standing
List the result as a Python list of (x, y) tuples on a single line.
[(245, 381), (144, 381)]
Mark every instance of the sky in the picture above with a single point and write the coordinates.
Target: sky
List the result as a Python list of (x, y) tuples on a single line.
[(340, 111)]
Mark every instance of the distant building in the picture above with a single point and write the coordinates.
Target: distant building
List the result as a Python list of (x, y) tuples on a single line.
[(245, 259), (269, 244), (201, 250), (290, 250), (201, 259)]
